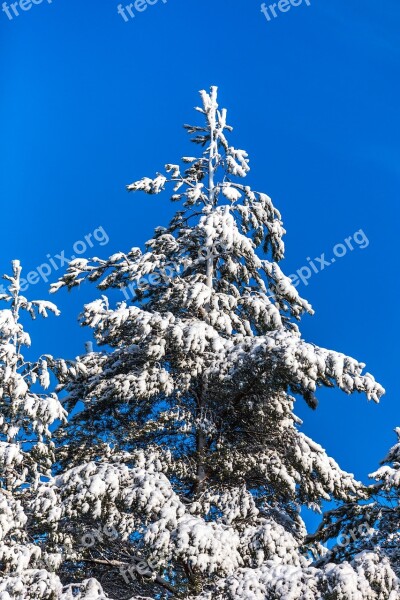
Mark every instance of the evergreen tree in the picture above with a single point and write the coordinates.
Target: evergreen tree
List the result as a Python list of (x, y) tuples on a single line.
[(28, 414), (184, 452), (26, 452), (369, 527)]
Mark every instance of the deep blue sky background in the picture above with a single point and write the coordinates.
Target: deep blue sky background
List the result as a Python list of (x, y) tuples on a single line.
[(89, 103)]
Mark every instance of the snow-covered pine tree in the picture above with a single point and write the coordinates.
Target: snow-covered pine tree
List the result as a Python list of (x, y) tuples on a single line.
[(26, 452), (27, 416), (369, 527), (185, 442)]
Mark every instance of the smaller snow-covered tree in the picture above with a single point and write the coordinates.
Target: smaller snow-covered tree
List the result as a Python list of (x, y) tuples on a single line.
[(28, 414), (26, 452), (373, 526)]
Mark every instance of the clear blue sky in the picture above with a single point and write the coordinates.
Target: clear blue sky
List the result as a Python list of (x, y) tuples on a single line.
[(89, 102)]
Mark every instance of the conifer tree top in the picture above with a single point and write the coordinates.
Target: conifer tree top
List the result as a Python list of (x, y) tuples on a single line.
[(185, 440)]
